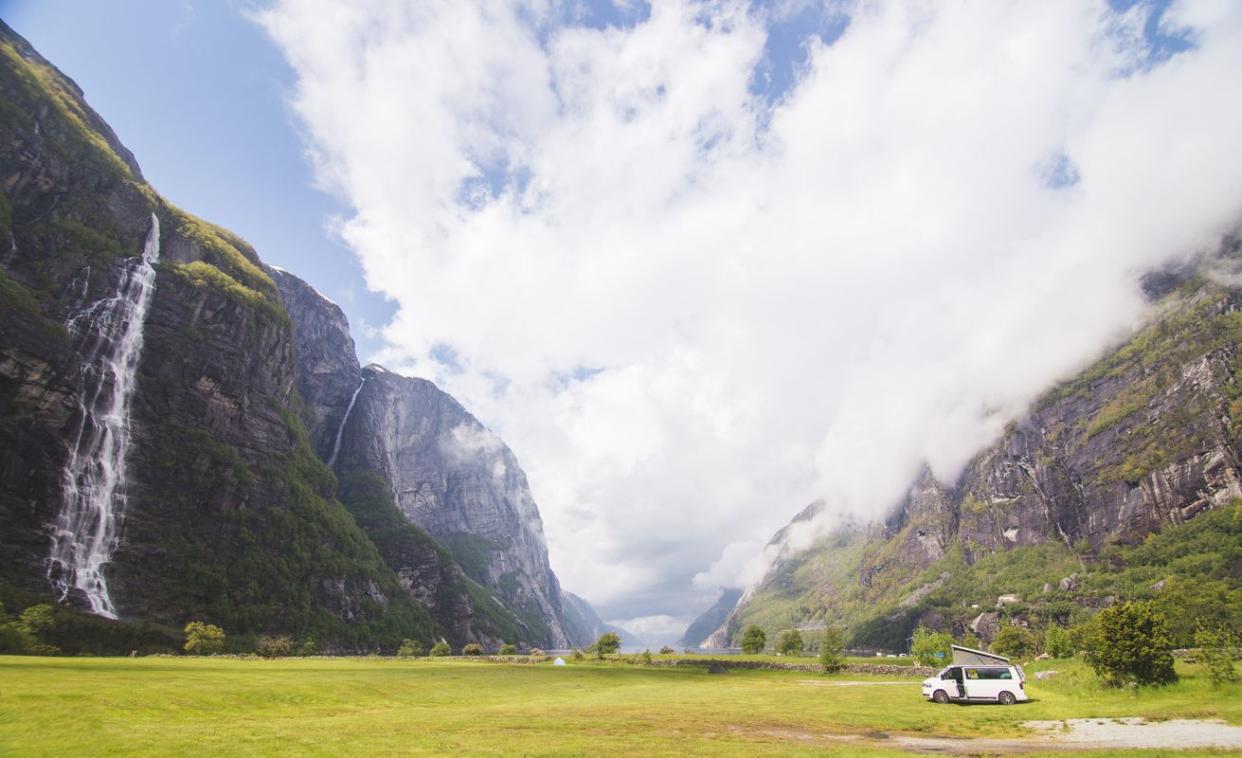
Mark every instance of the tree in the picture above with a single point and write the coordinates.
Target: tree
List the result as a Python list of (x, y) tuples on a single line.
[(1015, 642), (472, 648), (1130, 644), (931, 648), (274, 647), (410, 649), (1057, 642), (37, 619), (1216, 653), (508, 649), (830, 655), (790, 642), (666, 650), (203, 639), (754, 640), (440, 649), (308, 647), (608, 643)]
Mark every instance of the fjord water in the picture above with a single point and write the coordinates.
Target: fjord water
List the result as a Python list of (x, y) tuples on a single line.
[(108, 333)]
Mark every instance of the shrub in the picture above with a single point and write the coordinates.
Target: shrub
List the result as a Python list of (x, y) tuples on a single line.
[(790, 642), (203, 639), (931, 648), (666, 650), (472, 648), (37, 619), (1015, 642), (1130, 644), (508, 649), (440, 649), (754, 640), (647, 657), (577, 655), (410, 649), (1216, 652), (308, 647), (274, 647), (537, 653), (608, 643), (1057, 642), (830, 655)]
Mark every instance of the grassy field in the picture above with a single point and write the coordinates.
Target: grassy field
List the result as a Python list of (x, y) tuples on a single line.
[(334, 707)]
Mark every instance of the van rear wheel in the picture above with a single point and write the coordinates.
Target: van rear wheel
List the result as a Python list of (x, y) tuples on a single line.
[(940, 696), (1007, 698)]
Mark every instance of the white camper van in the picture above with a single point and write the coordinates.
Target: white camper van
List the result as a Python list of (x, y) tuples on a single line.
[(977, 677)]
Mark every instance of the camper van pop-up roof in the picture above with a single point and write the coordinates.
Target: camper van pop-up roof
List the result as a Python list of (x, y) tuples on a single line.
[(971, 657)]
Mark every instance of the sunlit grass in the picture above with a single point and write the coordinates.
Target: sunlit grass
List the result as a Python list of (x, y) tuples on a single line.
[(327, 706)]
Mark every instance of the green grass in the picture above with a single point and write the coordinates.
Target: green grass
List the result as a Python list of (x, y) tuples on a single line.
[(384, 706)]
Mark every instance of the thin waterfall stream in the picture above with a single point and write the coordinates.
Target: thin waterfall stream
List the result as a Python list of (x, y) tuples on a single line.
[(108, 333), (340, 430)]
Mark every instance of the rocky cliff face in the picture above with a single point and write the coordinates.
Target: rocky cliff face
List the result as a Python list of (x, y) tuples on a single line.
[(390, 434), (1146, 439), (223, 512), (451, 476)]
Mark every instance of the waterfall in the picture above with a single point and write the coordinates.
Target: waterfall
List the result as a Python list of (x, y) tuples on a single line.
[(108, 333), (340, 430)]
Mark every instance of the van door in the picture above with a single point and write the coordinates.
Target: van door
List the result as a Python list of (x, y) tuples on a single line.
[(952, 681), (978, 685)]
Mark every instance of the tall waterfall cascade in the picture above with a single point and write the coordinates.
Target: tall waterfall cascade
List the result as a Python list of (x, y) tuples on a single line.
[(108, 332), (340, 430)]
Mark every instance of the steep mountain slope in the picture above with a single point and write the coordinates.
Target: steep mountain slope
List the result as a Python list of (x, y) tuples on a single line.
[(449, 475), (164, 427), (390, 434), (700, 630), (585, 625), (1144, 440)]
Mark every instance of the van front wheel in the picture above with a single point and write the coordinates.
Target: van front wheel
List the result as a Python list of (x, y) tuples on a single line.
[(1007, 698), (940, 696)]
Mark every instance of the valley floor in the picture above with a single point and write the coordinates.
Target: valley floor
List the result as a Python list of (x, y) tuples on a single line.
[(379, 706)]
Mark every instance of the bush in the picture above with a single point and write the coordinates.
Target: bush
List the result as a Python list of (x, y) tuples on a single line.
[(472, 648), (274, 647), (537, 653), (440, 649), (647, 657), (1216, 654), (1015, 642), (830, 655), (508, 649), (608, 643), (1130, 644), (931, 648), (37, 619), (308, 647), (410, 649), (1057, 642), (203, 639), (666, 650), (790, 642), (577, 655), (754, 640)]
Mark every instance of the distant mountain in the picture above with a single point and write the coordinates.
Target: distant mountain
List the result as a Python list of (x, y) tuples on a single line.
[(171, 413), (586, 625), (1062, 510), (711, 619)]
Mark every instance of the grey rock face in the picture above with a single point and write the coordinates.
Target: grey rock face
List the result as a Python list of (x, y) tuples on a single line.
[(710, 620), (444, 471), (328, 371), (453, 477)]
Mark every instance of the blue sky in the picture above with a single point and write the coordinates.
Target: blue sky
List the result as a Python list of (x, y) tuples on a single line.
[(198, 93)]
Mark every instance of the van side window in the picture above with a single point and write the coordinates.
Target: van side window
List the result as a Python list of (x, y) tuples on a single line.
[(972, 673), (949, 674)]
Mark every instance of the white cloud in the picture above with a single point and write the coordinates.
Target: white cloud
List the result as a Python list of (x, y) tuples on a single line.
[(690, 311)]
